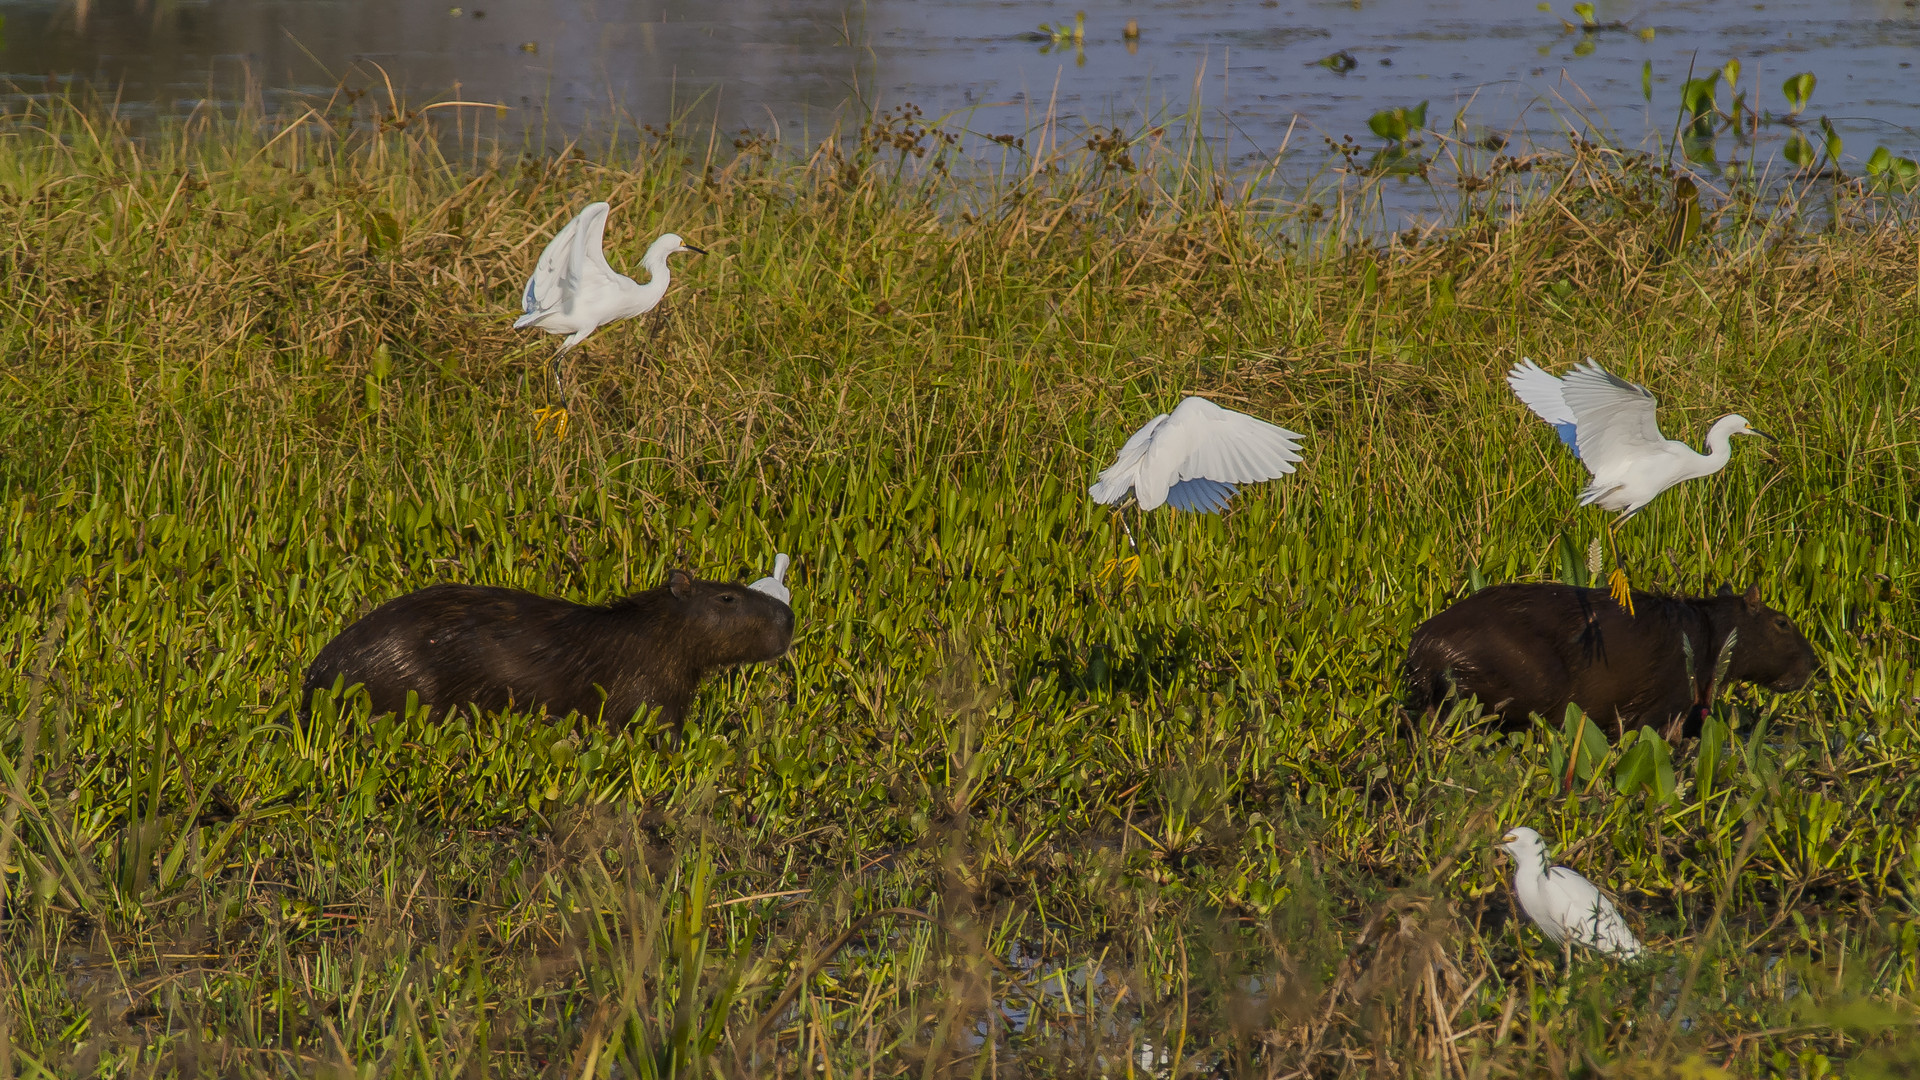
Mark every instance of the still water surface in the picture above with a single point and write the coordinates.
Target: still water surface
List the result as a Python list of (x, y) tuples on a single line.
[(798, 67)]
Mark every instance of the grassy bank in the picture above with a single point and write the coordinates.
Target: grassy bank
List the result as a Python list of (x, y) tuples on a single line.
[(1002, 810)]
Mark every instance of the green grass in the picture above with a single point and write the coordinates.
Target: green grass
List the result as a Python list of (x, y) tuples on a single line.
[(257, 384)]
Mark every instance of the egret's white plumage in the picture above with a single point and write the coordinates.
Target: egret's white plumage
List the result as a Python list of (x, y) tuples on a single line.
[(1565, 906), (1611, 427), (1192, 458), (574, 292), (774, 585)]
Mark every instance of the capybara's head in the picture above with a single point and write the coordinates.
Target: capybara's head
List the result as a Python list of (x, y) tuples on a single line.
[(730, 624), (1771, 650)]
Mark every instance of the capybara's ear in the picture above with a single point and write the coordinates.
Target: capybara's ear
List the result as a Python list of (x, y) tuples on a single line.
[(1753, 597), (1725, 590), (681, 582)]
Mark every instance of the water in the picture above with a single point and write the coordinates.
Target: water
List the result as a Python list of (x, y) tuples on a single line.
[(797, 67)]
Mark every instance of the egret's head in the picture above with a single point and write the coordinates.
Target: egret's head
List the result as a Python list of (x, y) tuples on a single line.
[(1735, 424), (671, 244), (1522, 842)]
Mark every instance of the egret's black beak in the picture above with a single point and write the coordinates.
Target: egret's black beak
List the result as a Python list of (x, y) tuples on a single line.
[(1762, 434), (695, 250)]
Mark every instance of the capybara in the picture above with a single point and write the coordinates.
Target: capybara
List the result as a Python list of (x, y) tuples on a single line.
[(455, 645), (1527, 649)]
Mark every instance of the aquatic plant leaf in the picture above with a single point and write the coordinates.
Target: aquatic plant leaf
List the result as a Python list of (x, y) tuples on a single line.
[(1646, 80), (1833, 144), (1398, 122), (1797, 89), (1389, 124), (1646, 766), (1713, 744), (1798, 151), (1578, 748)]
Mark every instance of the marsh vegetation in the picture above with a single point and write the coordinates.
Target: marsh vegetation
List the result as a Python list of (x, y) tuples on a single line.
[(1003, 809)]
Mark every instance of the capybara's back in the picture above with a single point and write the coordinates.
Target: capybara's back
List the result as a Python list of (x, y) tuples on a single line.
[(1530, 649), (498, 649), (1497, 645)]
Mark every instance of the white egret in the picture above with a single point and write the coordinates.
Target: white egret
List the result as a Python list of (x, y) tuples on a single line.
[(574, 292), (1193, 458), (774, 585), (1565, 906), (1610, 425)]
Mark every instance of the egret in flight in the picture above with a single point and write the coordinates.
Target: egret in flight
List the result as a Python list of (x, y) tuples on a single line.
[(774, 585), (1565, 906), (574, 292), (1609, 425), (1194, 458)]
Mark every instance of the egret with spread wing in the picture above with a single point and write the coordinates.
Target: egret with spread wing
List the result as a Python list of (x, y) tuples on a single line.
[(1609, 424), (1565, 906), (1194, 457), (574, 292)]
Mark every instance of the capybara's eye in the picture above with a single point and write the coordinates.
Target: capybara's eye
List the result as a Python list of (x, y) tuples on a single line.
[(726, 598)]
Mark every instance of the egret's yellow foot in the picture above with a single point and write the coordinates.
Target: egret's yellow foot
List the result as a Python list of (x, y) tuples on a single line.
[(1129, 568), (1622, 590), (550, 415)]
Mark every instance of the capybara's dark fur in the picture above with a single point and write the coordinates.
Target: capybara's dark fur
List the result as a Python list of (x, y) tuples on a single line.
[(499, 649), (1531, 649)]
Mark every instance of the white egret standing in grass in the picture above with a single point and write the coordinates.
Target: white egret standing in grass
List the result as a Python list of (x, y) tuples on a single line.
[(1609, 424), (774, 585), (574, 292), (1194, 457), (1565, 906)]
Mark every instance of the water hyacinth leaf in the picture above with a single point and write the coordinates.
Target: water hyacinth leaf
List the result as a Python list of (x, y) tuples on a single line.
[(1635, 769), (1797, 89), (1664, 784), (1585, 11), (1397, 123), (1646, 766), (1798, 151), (1579, 747), (1731, 72), (1892, 171), (1389, 124), (1833, 144), (1713, 743), (1697, 97)]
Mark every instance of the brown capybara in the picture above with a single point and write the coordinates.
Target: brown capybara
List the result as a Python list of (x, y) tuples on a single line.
[(1531, 649), (456, 645)]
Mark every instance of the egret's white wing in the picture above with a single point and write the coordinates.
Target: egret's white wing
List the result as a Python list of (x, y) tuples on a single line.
[(1198, 441), (1200, 496), (1117, 479), (1203, 441), (1587, 916), (1541, 392), (542, 293), (1615, 418), (588, 275)]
